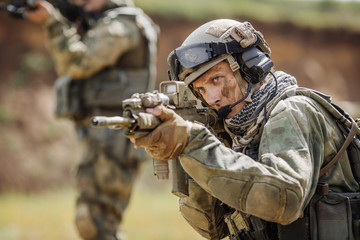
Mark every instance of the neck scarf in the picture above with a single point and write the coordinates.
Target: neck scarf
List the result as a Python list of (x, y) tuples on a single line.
[(244, 121)]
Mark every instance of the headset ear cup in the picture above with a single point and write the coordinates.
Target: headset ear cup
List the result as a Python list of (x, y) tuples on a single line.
[(255, 65), (254, 74)]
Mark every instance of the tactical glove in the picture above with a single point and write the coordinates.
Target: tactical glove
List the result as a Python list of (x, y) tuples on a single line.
[(169, 139)]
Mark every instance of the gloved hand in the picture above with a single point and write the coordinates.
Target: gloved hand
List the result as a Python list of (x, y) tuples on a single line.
[(43, 10), (168, 140)]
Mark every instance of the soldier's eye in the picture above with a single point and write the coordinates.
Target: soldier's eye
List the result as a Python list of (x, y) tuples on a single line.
[(201, 90), (217, 79)]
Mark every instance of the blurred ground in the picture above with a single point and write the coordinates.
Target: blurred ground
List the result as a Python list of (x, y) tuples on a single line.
[(38, 151), (152, 214)]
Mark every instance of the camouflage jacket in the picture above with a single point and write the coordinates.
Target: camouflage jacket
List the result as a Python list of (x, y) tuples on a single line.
[(297, 139), (108, 38), (114, 58)]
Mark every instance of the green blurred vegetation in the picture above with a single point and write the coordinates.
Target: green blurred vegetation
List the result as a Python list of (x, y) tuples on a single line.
[(315, 14)]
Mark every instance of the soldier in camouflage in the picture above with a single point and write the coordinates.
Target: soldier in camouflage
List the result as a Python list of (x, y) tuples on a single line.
[(270, 183), (101, 59)]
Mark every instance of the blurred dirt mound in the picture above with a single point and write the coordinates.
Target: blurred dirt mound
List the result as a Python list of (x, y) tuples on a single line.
[(37, 150)]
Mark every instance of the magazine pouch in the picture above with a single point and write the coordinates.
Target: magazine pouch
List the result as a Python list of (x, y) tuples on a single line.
[(69, 98), (110, 87), (331, 217)]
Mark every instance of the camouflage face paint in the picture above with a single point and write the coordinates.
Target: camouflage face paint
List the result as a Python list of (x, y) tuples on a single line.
[(226, 89)]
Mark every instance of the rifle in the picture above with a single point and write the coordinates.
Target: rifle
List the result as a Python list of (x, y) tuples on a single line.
[(72, 12), (135, 121)]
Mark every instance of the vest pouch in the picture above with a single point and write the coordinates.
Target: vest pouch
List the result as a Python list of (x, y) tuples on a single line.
[(353, 151), (203, 212), (110, 87), (355, 211), (68, 102), (330, 217), (354, 156)]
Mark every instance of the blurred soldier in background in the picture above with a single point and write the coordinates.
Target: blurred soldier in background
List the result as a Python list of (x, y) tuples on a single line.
[(102, 57)]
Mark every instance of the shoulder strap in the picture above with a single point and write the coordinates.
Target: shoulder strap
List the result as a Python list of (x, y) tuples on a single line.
[(348, 140), (151, 32)]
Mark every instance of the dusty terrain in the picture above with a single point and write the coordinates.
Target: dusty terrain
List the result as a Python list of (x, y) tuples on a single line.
[(37, 150)]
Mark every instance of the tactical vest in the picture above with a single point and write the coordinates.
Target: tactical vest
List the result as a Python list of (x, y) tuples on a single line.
[(330, 215), (134, 72)]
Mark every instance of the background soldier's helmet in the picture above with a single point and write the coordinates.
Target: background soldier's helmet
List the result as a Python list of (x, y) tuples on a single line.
[(222, 40)]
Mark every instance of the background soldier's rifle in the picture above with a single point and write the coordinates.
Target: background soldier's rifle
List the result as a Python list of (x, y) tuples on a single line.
[(135, 121), (72, 12)]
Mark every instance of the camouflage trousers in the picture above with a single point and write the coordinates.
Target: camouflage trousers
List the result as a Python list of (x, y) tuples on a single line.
[(105, 178)]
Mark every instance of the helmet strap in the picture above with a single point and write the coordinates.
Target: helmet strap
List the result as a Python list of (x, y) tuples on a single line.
[(234, 65)]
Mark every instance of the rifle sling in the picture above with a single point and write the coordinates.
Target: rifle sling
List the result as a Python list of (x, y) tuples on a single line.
[(348, 140)]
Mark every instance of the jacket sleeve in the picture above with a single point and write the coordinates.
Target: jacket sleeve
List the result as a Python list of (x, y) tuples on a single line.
[(100, 47), (278, 186)]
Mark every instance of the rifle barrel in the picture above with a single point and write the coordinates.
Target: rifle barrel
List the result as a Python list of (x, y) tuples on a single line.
[(117, 121)]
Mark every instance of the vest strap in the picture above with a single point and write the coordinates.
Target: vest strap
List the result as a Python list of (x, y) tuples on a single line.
[(348, 140)]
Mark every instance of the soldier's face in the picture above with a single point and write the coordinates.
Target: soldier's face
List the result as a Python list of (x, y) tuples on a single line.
[(91, 5), (219, 88)]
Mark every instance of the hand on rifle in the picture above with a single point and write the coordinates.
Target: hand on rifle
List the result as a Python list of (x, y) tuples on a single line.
[(169, 139), (43, 10)]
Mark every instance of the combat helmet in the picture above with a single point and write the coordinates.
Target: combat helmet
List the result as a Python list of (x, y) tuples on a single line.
[(245, 49)]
